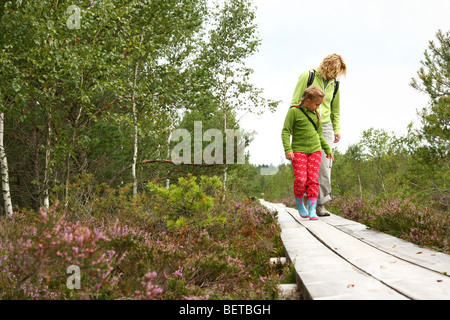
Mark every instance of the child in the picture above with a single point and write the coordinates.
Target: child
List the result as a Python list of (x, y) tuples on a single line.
[(305, 151)]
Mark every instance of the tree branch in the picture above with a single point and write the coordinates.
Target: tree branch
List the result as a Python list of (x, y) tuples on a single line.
[(118, 174)]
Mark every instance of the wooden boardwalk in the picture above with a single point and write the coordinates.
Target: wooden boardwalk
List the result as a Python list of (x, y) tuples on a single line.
[(336, 258)]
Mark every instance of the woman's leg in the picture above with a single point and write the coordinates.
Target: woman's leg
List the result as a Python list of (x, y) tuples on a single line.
[(325, 170)]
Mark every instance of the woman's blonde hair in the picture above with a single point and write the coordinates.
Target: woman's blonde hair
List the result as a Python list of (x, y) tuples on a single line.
[(332, 66)]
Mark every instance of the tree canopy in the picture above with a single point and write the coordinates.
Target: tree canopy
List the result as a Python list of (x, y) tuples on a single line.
[(99, 87)]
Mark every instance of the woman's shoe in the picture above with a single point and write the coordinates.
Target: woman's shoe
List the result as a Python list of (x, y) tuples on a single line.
[(322, 212)]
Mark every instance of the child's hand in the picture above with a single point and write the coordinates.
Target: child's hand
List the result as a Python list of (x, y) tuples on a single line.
[(290, 156), (330, 156)]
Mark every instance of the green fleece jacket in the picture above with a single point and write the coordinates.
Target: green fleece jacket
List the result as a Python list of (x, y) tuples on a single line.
[(328, 111), (305, 138)]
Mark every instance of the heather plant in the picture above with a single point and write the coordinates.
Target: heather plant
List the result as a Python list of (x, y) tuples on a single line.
[(36, 257), (209, 248)]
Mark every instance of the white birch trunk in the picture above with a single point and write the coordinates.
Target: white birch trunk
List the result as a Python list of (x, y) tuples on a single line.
[(72, 147), (168, 157), (225, 169), (4, 172), (47, 163), (135, 121), (360, 186)]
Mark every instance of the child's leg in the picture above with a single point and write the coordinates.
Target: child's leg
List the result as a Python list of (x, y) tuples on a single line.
[(299, 164), (301, 208), (312, 205), (312, 183)]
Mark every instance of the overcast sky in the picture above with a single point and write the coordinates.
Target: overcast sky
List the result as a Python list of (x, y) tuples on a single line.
[(382, 43)]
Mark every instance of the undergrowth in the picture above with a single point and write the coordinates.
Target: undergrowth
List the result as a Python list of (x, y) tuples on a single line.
[(184, 242)]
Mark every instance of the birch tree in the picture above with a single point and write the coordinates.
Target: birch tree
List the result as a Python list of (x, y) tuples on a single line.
[(60, 72), (4, 171), (8, 91), (157, 38), (232, 39), (354, 154)]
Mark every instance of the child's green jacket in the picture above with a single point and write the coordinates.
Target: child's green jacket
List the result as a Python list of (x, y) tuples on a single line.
[(305, 138)]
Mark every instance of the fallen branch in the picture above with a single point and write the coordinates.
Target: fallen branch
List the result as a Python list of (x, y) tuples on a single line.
[(118, 174)]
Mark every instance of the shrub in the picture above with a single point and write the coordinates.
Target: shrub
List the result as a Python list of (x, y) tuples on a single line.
[(187, 198), (184, 242)]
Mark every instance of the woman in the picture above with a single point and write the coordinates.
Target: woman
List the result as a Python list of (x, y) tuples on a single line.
[(324, 77)]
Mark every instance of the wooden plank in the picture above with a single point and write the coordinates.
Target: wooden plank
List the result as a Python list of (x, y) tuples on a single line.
[(320, 272), (425, 257), (405, 277), (428, 258)]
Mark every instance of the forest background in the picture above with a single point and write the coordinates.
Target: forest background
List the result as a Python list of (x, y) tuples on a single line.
[(93, 93)]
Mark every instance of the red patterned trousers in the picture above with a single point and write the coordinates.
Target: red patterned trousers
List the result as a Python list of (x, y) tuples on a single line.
[(306, 170)]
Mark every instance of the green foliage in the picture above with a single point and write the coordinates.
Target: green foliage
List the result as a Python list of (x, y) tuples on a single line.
[(280, 185), (75, 97), (432, 153), (127, 250), (187, 198), (251, 186)]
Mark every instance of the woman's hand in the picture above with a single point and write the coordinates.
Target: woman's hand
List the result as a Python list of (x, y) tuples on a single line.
[(290, 156), (330, 156)]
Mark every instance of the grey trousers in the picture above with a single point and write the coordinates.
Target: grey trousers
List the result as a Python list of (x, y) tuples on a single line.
[(325, 167)]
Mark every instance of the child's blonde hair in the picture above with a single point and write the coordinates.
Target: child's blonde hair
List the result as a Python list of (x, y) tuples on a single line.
[(312, 93), (332, 66)]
